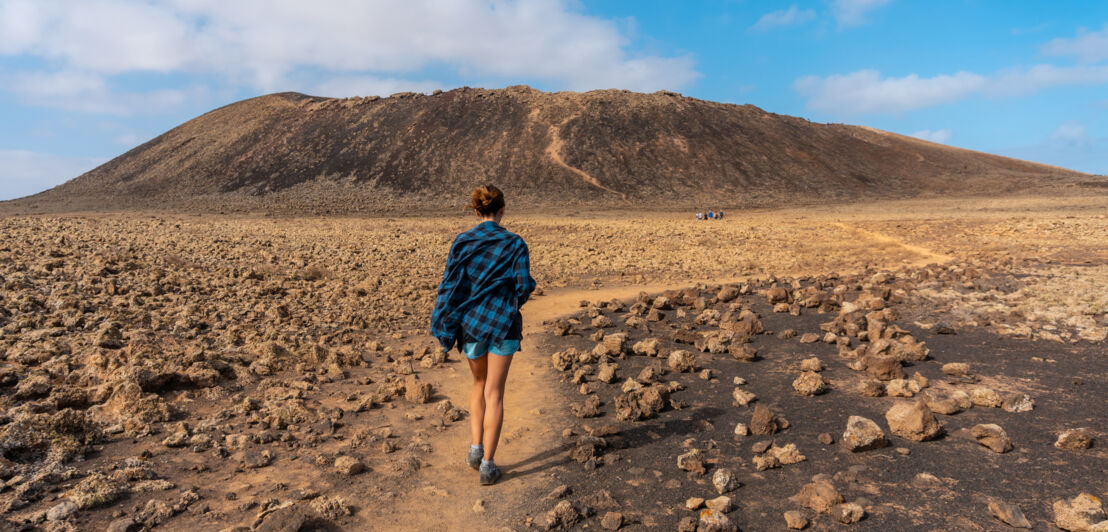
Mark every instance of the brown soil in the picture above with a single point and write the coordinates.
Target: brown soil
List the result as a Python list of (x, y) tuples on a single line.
[(285, 344)]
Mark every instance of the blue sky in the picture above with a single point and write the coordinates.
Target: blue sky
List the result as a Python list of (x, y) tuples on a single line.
[(84, 81)]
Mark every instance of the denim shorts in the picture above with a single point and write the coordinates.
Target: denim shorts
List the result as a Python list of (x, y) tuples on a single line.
[(504, 348)]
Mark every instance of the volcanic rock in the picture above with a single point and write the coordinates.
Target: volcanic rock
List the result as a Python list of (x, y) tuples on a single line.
[(787, 454), (901, 388), (741, 397), (1074, 440), (1018, 402), (611, 521), (715, 521), (96, 490), (811, 364), (848, 513), (589, 408), (416, 390), (727, 293), (563, 514), (1009, 514), (809, 383), (986, 397), (819, 495), (863, 434), (613, 345), (348, 465), (763, 421), (795, 520), (882, 367), (720, 504), (647, 347), (682, 361), (692, 461), (743, 352), (913, 421), (606, 373), (958, 369), (870, 388), (724, 480), (991, 436), (1082, 513), (641, 403), (61, 511)]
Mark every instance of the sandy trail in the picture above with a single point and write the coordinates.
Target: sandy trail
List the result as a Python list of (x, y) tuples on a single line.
[(531, 440), (928, 256), (554, 151)]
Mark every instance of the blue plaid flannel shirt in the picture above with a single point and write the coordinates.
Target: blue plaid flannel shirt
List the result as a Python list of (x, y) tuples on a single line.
[(487, 279)]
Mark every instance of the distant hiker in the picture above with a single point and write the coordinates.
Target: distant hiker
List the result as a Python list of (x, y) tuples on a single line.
[(487, 279), (699, 216), (709, 215), (719, 215)]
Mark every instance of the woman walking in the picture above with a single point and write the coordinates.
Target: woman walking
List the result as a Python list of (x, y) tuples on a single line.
[(487, 280)]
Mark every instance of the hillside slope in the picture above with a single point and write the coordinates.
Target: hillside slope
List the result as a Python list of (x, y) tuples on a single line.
[(295, 153)]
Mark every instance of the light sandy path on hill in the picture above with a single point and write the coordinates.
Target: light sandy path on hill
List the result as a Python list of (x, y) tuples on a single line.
[(531, 440), (927, 255), (554, 151)]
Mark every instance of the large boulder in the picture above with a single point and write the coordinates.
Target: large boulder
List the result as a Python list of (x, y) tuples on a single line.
[(1082, 513), (819, 495), (809, 383), (883, 368), (612, 345), (992, 437), (913, 421), (641, 403), (863, 434), (646, 348), (763, 421), (1074, 440), (682, 361)]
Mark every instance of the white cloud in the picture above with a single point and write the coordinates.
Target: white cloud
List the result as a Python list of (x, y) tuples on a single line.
[(940, 136), (1070, 145), (865, 91), (129, 140), (1089, 46), (23, 173), (347, 44), (1029, 80), (367, 86), (1071, 133), (853, 12), (87, 92), (792, 16)]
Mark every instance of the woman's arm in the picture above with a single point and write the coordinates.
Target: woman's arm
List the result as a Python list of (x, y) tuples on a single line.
[(439, 328), (525, 284)]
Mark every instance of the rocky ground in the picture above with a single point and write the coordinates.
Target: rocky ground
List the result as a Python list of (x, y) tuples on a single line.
[(811, 403), (188, 372)]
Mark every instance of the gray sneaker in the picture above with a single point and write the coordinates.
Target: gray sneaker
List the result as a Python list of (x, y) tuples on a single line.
[(474, 458), (489, 474)]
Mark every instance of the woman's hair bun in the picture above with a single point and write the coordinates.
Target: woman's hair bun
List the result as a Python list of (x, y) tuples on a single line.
[(487, 200)]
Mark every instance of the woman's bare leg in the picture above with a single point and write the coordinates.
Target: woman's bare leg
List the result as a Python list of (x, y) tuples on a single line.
[(494, 400), (479, 368)]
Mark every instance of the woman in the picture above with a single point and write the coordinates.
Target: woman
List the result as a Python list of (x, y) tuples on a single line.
[(487, 280)]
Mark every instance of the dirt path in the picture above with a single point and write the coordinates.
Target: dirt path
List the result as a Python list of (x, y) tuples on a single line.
[(928, 256), (530, 443), (554, 151)]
